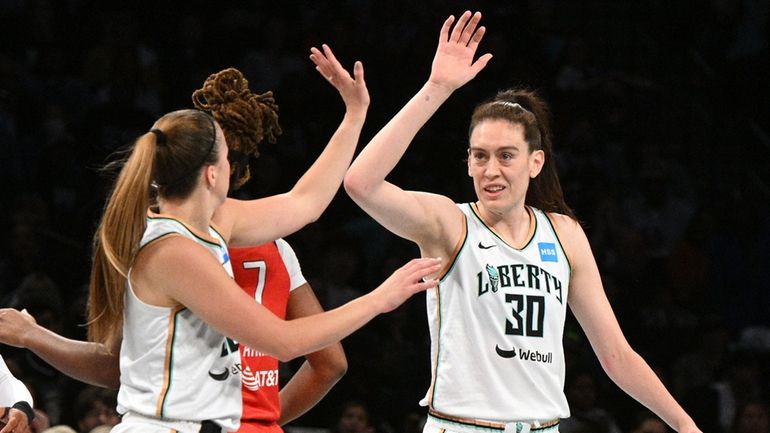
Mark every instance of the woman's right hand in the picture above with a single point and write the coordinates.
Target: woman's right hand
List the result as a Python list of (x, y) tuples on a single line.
[(352, 89), (405, 282), (453, 64)]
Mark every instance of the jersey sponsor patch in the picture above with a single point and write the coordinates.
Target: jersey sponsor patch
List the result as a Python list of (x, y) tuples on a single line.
[(547, 251)]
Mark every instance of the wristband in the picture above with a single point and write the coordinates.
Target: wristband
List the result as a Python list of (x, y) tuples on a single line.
[(26, 408)]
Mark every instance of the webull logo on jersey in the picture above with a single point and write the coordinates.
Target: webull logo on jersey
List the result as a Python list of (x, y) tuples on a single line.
[(518, 275), (526, 355), (547, 251)]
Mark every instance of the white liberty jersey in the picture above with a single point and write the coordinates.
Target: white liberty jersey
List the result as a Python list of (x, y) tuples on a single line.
[(496, 321), (173, 365)]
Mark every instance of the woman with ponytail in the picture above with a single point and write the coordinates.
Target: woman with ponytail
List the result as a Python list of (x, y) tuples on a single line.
[(516, 257), (162, 298), (162, 268)]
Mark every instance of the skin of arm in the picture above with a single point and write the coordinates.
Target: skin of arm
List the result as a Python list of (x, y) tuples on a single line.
[(92, 363), (427, 219), (592, 309), (164, 277), (321, 369), (316, 188)]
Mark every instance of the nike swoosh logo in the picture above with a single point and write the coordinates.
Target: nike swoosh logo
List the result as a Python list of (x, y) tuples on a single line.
[(505, 353), (486, 247), (220, 376)]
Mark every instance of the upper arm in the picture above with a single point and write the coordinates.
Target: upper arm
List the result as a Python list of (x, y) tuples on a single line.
[(254, 222), (193, 279), (424, 218), (587, 298)]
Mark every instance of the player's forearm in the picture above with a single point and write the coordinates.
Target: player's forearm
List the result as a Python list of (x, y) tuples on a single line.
[(632, 374), (88, 362), (317, 187), (383, 152), (305, 389)]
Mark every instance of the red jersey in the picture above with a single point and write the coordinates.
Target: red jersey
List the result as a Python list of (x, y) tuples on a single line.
[(269, 273)]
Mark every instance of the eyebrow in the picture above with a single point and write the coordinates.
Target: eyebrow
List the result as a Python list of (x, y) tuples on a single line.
[(501, 149)]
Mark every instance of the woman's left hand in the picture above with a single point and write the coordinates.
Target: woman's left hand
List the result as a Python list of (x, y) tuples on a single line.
[(353, 89)]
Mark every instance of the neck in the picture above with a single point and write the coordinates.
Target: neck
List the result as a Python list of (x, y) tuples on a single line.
[(192, 212), (513, 224)]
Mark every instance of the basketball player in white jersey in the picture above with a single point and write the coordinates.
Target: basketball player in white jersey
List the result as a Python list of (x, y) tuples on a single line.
[(516, 257), (161, 283), (16, 412)]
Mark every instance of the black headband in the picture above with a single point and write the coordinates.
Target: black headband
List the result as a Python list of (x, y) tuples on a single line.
[(160, 137)]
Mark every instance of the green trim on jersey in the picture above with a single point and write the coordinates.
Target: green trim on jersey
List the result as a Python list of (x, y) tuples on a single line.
[(534, 232), (170, 365), (459, 250), (190, 231)]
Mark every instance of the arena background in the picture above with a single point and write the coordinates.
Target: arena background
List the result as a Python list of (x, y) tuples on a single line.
[(661, 131)]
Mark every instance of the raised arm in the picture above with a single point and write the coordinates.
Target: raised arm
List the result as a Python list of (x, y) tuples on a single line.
[(92, 363), (321, 369), (194, 278), (622, 364), (417, 216), (252, 222)]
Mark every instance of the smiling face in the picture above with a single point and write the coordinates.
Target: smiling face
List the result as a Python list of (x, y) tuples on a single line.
[(501, 165)]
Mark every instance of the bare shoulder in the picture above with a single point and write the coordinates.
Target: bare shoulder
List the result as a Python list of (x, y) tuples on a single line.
[(570, 233), (162, 264), (565, 226)]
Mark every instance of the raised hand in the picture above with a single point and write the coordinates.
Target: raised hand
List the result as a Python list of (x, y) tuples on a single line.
[(453, 63), (353, 90), (406, 281)]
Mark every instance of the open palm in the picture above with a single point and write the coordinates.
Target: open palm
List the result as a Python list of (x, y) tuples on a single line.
[(453, 64)]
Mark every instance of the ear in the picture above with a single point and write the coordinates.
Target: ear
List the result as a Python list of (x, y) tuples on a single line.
[(210, 175), (536, 162)]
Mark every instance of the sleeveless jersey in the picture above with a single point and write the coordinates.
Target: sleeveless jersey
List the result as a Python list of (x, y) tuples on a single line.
[(12, 390), (268, 273), (496, 320), (173, 365)]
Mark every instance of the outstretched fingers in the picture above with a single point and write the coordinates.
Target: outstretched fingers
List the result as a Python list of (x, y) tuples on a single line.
[(322, 64), (470, 29), (443, 35), (419, 270), (457, 31), (476, 38)]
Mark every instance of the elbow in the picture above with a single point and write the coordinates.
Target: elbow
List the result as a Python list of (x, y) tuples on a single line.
[(354, 185), (614, 361), (336, 368)]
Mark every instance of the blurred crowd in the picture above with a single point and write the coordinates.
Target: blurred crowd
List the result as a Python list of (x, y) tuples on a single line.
[(662, 136)]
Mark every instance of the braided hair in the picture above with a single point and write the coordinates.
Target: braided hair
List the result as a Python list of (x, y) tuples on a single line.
[(246, 118)]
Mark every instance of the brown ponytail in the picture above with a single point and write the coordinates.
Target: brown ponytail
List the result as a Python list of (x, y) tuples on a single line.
[(116, 241), (170, 157)]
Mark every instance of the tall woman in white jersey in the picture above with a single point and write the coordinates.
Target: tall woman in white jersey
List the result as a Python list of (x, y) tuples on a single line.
[(161, 282), (517, 258)]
